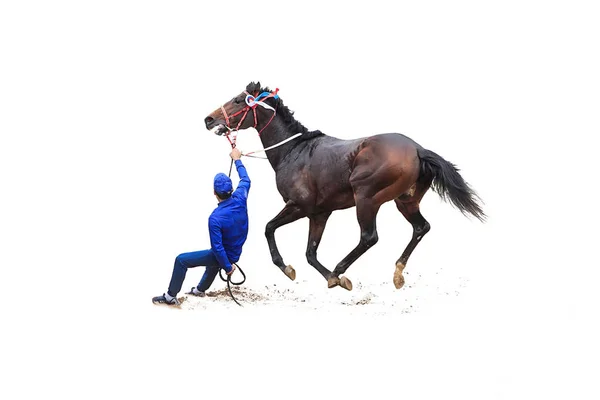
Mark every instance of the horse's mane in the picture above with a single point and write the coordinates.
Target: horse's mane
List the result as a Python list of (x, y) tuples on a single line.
[(284, 112)]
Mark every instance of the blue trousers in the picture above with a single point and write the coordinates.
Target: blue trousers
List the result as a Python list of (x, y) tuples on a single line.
[(203, 258)]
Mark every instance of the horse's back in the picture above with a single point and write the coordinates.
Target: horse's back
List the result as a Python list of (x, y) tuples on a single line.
[(394, 139), (386, 163), (385, 150), (389, 148)]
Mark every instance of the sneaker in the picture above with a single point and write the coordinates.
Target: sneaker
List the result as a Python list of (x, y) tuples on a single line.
[(195, 292), (165, 298)]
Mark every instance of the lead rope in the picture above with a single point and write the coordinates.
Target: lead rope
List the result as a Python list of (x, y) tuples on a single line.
[(250, 101), (230, 282)]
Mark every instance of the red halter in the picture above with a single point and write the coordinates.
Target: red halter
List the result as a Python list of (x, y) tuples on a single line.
[(250, 105)]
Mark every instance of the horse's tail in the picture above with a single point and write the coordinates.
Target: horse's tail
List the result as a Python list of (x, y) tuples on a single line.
[(448, 184)]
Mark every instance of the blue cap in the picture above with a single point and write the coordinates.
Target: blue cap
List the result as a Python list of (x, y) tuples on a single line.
[(222, 183)]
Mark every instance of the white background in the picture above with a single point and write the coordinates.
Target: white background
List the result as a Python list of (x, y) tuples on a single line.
[(106, 172)]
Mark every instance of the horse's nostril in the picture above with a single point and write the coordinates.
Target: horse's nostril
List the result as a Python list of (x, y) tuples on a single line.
[(208, 120)]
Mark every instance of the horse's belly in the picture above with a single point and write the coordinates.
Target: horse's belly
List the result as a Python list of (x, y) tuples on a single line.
[(336, 201)]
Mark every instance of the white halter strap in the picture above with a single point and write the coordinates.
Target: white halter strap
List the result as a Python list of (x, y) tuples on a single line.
[(273, 146), (250, 101)]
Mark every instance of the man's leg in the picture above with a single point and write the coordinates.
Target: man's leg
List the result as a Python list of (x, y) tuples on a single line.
[(210, 274), (190, 260), (208, 278)]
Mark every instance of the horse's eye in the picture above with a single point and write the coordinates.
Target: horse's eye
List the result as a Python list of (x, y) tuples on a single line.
[(237, 100)]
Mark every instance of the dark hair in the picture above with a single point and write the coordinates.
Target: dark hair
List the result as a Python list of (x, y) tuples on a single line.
[(224, 196)]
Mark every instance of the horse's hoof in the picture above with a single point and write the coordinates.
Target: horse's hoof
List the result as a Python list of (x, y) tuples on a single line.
[(398, 278), (345, 283), (333, 282), (290, 272)]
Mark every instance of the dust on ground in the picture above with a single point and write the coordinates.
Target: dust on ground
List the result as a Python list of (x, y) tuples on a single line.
[(373, 298)]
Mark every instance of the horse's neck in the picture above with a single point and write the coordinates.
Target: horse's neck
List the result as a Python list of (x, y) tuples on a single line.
[(275, 133)]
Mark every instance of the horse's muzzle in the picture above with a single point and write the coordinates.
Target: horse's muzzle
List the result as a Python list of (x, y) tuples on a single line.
[(209, 122), (217, 126)]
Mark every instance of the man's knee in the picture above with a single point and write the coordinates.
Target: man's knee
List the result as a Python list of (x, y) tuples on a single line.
[(180, 261)]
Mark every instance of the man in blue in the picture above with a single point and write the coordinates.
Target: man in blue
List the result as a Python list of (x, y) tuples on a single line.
[(228, 228)]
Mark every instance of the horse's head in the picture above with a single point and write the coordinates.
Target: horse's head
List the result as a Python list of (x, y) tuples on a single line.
[(231, 116)]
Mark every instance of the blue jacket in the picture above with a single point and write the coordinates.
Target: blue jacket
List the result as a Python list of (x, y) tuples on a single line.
[(228, 223)]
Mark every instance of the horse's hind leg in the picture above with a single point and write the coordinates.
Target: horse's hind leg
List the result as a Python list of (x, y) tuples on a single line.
[(366, 209), (315, 233), (290, 213), (409, 207)]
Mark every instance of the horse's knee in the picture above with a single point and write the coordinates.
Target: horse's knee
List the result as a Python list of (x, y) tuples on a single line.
[(269, 229), (369, 238), (311, 255), (426, 228), (421, 231)]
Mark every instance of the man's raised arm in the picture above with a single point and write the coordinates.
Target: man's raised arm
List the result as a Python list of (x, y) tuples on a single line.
[(244, 185)]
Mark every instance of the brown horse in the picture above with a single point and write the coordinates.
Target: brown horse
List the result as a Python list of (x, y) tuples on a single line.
[(317, 174)]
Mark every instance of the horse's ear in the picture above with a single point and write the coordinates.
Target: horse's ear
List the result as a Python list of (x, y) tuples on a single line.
[(253, 87)]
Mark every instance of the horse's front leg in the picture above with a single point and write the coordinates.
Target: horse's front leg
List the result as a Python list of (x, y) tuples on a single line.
[(366, 210), (290, 213), (315, 233)]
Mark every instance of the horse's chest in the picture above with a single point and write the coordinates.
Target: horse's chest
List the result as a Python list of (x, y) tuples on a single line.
[(295, 187)]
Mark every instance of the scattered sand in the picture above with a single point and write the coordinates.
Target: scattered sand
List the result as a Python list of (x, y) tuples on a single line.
[(373, 298)]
